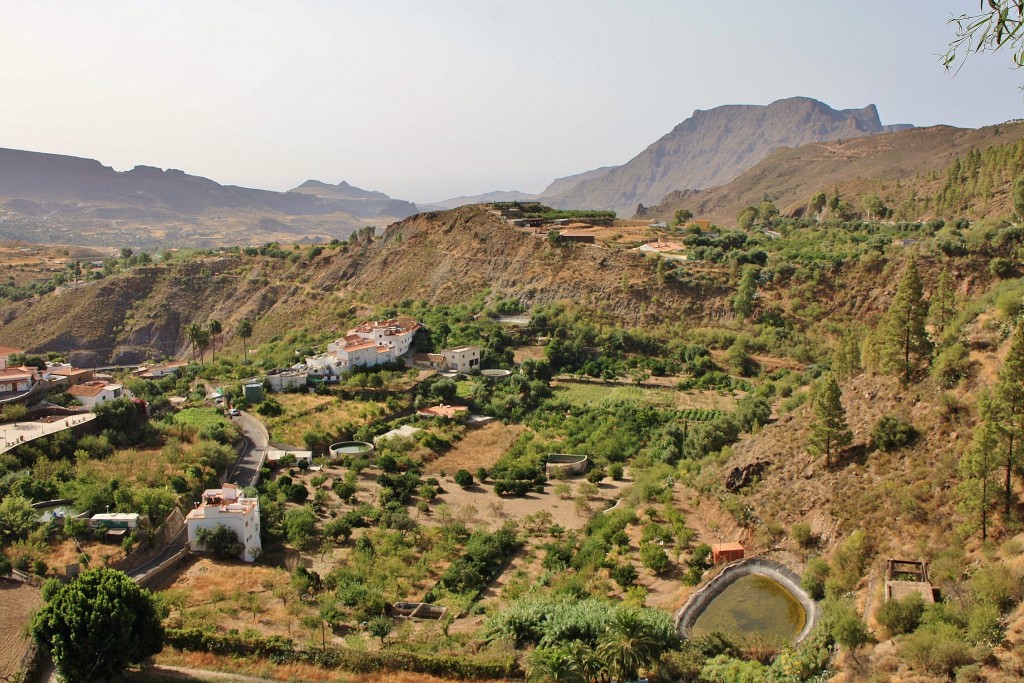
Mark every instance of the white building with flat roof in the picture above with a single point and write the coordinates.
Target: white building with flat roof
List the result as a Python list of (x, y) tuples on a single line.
[(228, 507), (462, 358)]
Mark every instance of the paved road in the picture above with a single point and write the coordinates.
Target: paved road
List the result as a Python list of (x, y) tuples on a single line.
[(246, 469)]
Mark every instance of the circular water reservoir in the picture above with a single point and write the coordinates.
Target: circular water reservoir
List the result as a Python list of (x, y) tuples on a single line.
[(753, 605), (351, 448), (496, 373)]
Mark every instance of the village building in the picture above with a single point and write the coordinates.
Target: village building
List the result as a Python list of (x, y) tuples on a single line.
[(285, 380), (274, 456), (67, 375), (228, 507), (161, 370), (17, 379), (726, 552), (584, 236), (91, 394), (403, 432), (462, 358), (368, 344)]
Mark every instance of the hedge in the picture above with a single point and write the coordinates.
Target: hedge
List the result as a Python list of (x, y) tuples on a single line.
[(282, 650)]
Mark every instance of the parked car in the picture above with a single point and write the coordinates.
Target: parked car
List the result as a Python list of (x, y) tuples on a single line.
[(234, 412)]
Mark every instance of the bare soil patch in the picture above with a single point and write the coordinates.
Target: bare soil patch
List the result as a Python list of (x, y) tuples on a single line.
[(18, 602), (480, 506), (478, 448)]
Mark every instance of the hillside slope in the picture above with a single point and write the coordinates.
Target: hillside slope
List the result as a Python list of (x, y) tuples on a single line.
[(894, 165), (445, 257)]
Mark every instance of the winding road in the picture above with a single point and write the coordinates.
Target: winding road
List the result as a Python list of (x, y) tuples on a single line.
[(244, 472)]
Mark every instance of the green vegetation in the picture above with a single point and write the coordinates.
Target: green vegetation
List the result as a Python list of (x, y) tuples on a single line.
[(97, 625)]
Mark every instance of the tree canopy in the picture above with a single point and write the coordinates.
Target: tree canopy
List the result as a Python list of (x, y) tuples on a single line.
[(97, 625), (998, 24)]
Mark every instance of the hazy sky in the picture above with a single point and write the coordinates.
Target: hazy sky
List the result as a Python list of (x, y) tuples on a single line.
[(427, 100)]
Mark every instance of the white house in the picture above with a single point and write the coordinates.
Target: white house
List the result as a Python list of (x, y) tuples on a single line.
[(228, 507), (93, 393), (287, 379), (17, 378), (368, 344), (161, 370), (462, 358)]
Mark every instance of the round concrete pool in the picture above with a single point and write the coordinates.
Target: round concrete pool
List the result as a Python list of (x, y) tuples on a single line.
[(344, 448), (750, 598)]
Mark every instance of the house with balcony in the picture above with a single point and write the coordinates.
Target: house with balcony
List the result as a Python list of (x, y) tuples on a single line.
[(227, 506)]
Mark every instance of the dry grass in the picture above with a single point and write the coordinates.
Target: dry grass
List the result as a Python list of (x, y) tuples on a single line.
[(478, 506), (663, 395), (18, 602), (478, 448), (304, 412)]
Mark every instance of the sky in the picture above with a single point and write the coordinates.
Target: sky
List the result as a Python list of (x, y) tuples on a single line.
[(426, 100)]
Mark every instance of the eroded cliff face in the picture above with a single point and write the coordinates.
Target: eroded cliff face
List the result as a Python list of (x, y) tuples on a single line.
[(711, 148)]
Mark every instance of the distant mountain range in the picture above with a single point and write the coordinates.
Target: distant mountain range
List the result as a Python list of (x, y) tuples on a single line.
[(710, 148), (357, 202), (54, 198)]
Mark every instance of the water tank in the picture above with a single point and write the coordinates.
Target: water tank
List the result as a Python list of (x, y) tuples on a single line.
[(253, 392)]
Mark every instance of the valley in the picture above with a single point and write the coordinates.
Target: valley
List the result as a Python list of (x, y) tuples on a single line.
[(693, 386)]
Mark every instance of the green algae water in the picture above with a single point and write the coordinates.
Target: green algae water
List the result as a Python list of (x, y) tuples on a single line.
[(753, 605)]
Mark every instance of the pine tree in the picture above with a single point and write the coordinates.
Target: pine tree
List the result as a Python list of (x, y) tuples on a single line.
[(1008, 408), (829, 429), (901, 337), (942, 305), (976, 468)]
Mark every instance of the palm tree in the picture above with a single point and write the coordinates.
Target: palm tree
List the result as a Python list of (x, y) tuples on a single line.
[(589, 664), (628, 645), (214, 328), (192, 333), (553, 665), (202, 340), (244, 332)]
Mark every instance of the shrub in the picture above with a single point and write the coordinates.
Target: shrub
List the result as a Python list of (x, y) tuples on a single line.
[(939, 649), (814, 578), (615, 471), (1001, 267), (801, 533), (951, 365), (464, 479), (654, 557), (997, 584), (891, 433), (624, 574), (901, 616)]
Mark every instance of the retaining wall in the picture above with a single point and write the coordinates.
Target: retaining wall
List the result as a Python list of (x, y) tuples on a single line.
[(775, 571), (153, 575)]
